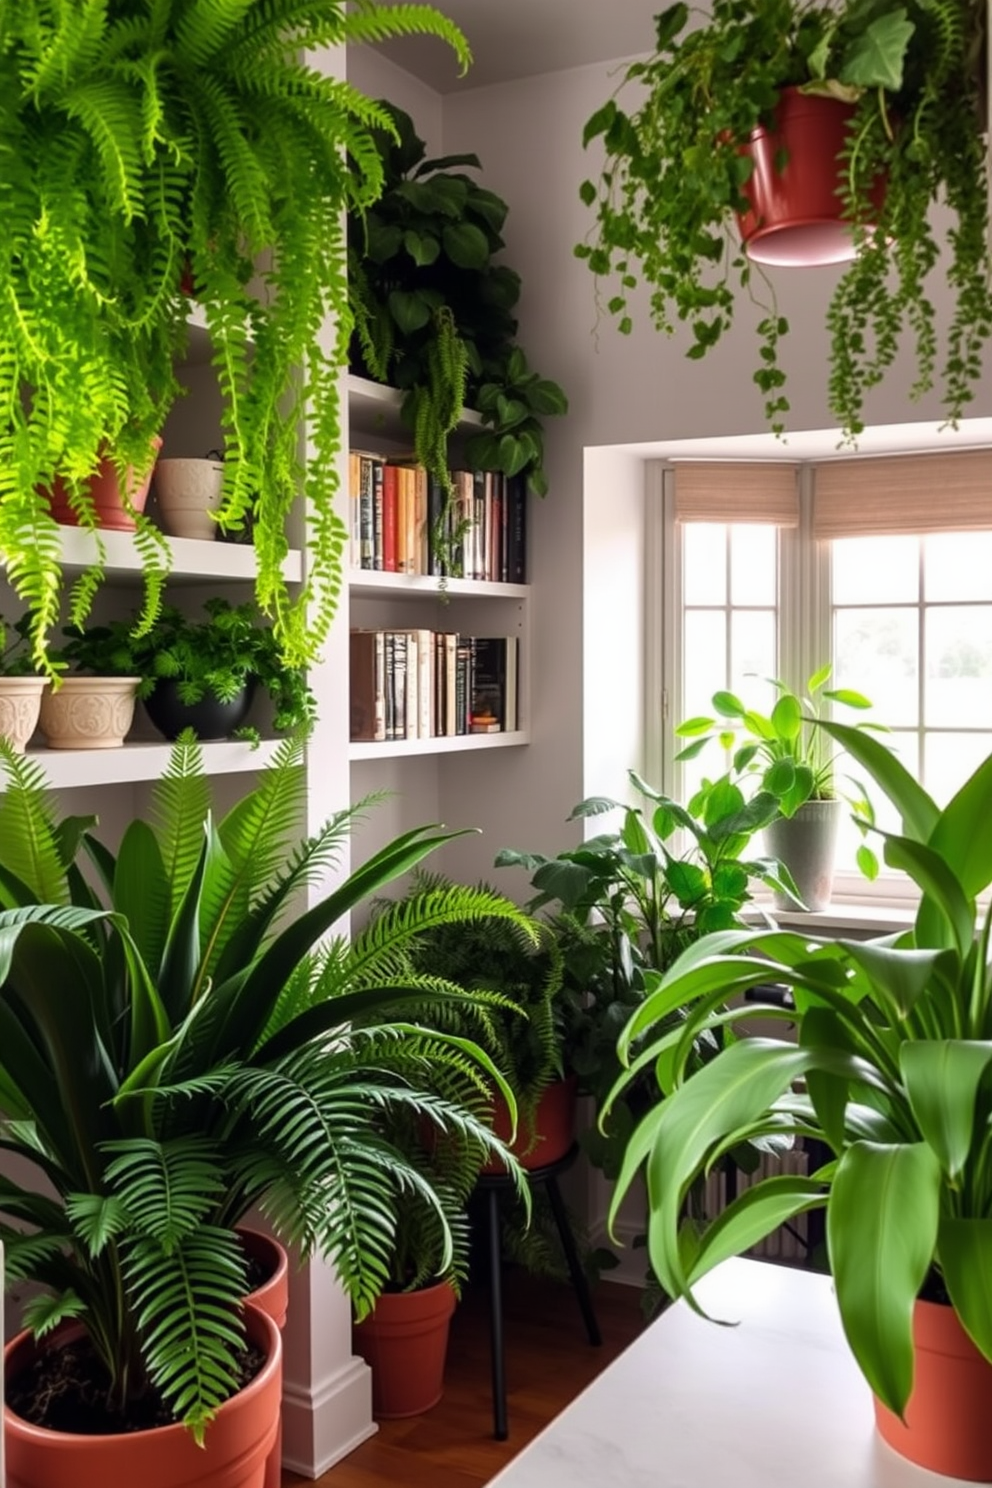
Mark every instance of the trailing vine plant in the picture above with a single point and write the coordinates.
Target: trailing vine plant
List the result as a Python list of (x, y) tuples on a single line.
[(434, 314), (152, 145), (668, 196)]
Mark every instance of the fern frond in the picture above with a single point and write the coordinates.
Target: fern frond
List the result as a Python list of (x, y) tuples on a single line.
[(29, 828), (180, 809), (167, 1188)]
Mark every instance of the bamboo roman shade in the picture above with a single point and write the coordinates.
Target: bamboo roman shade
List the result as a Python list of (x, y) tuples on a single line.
[(736, 491), (864, 497)]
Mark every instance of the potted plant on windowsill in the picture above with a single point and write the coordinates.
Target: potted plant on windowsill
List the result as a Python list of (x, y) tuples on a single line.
[(787, 754), (209, 1064), (680, 171), (199, 674), (434, 313), (157, 150), (890, 1071)]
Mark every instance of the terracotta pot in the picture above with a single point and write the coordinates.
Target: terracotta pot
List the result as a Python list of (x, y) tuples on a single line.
[(272, 1298), (20, 704), (88, 712), (238, 1440), (947, 1418), (105, 492), (187, 491), (404, 1341), (554, 1127), (795, 218)]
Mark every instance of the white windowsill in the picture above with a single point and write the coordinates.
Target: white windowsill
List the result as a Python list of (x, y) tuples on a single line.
[(879, 919)]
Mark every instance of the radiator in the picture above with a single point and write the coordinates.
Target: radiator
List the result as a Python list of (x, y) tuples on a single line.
[(788, 1243)]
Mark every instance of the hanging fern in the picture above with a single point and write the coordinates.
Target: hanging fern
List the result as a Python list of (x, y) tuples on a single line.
[(146, 141)]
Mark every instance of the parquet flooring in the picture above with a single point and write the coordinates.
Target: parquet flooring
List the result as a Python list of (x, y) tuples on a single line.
[(548, 1363)]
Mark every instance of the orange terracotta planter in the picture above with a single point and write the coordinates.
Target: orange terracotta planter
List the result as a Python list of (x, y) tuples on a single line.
[(272, 1298), (796, 214), (404, 1341), (947, 1418), (105, 493), (554, 1125), (238, 1441)]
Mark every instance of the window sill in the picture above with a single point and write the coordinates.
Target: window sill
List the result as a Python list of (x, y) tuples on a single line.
[(871, 919)]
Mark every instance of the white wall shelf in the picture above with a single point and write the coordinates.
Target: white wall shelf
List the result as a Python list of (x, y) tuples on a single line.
[(193, 558), (373, 582), (66, 768), (375, 412), (444, 744)]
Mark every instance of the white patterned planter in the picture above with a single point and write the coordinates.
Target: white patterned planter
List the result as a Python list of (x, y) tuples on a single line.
[(88, 712), (20, 701), (187, 492)]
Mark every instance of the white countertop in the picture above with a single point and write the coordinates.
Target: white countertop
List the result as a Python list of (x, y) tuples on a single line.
[(777, 1402)]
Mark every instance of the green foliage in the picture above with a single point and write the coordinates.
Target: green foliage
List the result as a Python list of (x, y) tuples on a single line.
[(218, 656), (785, 750), (15, 657), (179, 1042), (624, 904), (892, 1060), (673, 181), (517, 959), (151, 142), (434, 315)]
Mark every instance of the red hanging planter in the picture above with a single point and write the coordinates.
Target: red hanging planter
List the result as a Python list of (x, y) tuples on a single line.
[(796, 213)]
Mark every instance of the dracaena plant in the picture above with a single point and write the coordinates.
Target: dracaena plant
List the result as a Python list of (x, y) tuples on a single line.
[(152, 145), (890, 1070), (676, 133), (179, 1042)]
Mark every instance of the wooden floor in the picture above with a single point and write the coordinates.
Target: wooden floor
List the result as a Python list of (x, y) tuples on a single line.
[(548, 1363)]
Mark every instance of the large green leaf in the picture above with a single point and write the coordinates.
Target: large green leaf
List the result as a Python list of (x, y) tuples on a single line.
[(954, 922), (918, 811), (960, 837), (965, 1247), (942, 1078), (899, 975), (882, 1235), (142, 892), (875, 57), (753, 1215)]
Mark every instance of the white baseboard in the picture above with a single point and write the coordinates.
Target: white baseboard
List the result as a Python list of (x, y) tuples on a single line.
[(633, 1264), (323, 1424)]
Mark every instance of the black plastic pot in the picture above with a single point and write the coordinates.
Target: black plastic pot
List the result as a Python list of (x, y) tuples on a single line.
[(209, 718)]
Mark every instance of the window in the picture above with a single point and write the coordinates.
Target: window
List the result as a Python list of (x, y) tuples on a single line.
[(847, 562)]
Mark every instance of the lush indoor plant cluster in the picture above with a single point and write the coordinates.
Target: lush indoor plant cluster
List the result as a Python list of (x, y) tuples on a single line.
[(434, 312), (676, 165), (208, 1062), (231, 648), (890, 1071), (157, 151)]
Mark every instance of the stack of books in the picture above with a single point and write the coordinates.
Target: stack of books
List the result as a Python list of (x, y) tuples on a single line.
[(424, 684)]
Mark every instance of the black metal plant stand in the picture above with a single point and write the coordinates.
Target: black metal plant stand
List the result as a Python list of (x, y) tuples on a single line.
[(490, 1185)]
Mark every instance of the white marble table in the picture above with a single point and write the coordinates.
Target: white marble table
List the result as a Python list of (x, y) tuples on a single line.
[(774, 1403)]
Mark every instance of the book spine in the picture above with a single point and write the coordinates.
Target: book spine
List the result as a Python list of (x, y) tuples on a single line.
[(450, 674), (366, 691), (463, 684), (425, 690), (516, 529), (377, 530), (478, 526), (389, 474), (420, 532), (355, 506), (366, 531), (411, 668)]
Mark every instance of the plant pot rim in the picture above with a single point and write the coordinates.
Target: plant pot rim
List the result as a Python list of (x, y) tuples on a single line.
[(271, 1341)]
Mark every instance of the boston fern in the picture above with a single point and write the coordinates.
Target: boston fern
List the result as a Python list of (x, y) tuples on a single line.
[(151, 145), (667, 198), (434, 314), (208, 1061)]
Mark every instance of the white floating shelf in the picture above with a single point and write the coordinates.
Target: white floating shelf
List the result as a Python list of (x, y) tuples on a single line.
[(448, 744), (192, 557), (373, 582), (75, 767), (375, 410)]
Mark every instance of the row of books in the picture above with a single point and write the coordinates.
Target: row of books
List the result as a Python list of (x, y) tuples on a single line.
[(424, 684), (403, 521)]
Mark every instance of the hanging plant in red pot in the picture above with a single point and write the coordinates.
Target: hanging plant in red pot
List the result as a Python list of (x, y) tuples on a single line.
[(679, 172)]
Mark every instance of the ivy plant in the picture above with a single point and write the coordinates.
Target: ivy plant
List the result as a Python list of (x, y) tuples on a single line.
[(152, 146), (676, 164), (434, 312)]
